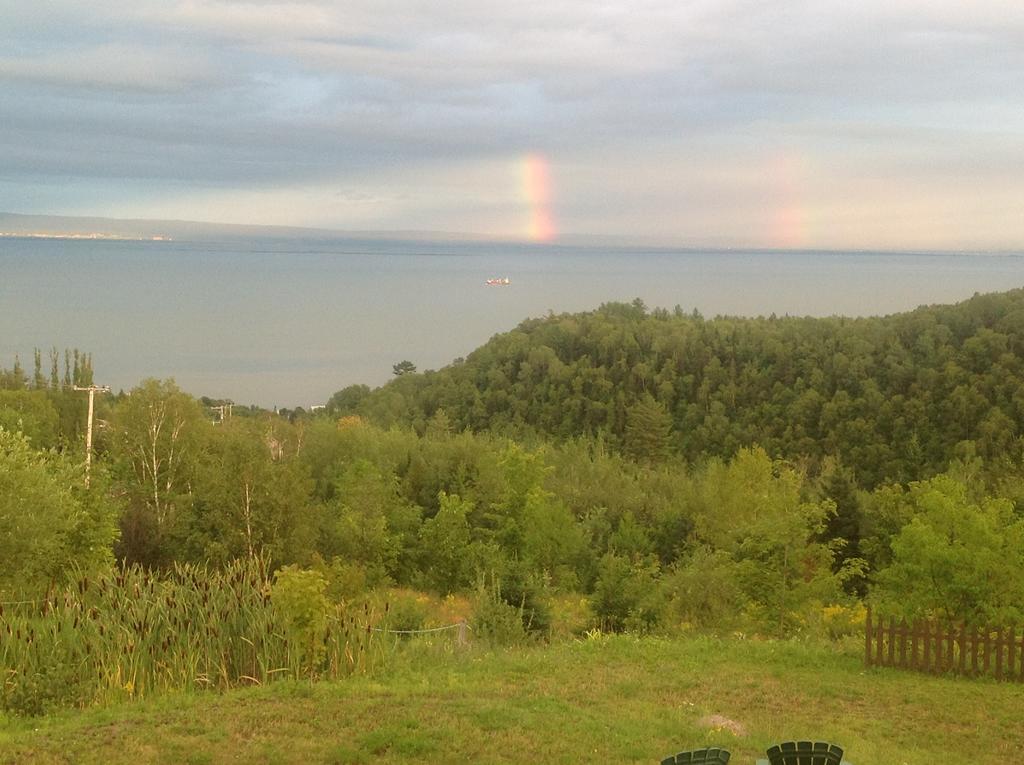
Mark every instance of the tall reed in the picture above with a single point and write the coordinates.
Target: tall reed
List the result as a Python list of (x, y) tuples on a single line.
[(133, 632)]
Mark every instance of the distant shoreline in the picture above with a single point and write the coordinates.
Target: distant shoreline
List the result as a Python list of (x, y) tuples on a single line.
[(91, 236)]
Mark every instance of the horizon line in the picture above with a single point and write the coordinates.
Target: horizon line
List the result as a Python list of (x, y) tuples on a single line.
[(569, 239)]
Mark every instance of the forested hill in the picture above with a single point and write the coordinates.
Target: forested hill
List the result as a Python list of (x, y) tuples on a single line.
[(894, 397)]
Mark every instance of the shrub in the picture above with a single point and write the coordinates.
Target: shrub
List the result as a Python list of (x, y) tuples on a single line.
[(300, 597), (570, 615), (704, 592), (956, 558), (626, 596), (49, 686), (839, 621), (346, 580), (406, 610), (495, 620), (526, 591)]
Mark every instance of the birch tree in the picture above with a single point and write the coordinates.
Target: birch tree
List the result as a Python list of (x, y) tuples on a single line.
[(249, 500), (159, 433)]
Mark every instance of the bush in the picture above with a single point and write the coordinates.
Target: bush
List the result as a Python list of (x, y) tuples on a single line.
[(839, 621), (957, 558), (526, 591), (49, 687), (346, 580), (626, 596), (51, 527), (406, 610), (570, 615), (300, 597), (704, 592), (495, 620)]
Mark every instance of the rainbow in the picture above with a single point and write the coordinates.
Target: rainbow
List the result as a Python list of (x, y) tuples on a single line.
[(537, 189), (789, 224)]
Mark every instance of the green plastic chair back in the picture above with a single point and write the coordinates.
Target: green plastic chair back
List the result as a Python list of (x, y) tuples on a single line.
[(805, 753), (698, 757)]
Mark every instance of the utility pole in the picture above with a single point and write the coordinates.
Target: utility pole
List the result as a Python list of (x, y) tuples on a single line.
[(220, 410), (92, 390)]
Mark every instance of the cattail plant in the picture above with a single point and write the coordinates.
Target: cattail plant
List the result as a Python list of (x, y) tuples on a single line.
[(132, 633)]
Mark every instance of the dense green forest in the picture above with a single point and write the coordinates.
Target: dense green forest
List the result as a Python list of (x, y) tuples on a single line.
[(618, 469), (893, 398)]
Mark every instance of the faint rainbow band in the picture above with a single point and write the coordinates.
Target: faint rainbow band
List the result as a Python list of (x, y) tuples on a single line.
[(537, 188)]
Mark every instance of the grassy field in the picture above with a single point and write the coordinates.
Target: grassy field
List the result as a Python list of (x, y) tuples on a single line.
[(614, 700)]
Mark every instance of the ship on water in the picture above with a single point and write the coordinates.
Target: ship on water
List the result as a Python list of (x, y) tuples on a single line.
[(501, 281)]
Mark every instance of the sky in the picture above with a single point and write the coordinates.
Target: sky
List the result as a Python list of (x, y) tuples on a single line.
[(828, 124)]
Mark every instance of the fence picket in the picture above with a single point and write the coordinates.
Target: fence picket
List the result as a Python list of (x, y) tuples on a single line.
[(999, 654), (892, 643), (1011, 655), (903, 643), (974, 650), (867, 638), (987, 647), (895, 644), (914, 632), (1021, 653)]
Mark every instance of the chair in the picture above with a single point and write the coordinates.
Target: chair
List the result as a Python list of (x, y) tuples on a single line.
[(698, 757), (805, 753)]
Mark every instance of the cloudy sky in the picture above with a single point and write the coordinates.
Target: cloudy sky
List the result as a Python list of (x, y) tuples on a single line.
[(880, 123)]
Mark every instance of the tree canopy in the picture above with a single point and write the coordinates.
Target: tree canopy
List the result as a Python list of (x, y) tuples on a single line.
[(667, 468), (894, 398)]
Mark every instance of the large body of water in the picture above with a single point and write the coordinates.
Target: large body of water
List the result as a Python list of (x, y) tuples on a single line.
[(288, 322)]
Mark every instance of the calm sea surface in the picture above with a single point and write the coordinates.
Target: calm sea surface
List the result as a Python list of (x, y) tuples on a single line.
[(288, 322)]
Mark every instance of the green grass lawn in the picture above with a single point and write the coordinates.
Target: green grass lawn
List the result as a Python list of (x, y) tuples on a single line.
[(609, 700)]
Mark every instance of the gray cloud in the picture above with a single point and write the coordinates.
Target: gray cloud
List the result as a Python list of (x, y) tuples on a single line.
[(114, 66), (388, 98)]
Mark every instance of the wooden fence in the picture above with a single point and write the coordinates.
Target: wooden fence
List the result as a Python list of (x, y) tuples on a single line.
[(936, 647)]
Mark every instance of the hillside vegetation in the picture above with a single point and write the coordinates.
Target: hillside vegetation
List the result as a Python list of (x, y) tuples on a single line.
[(619, 471), (895, 397)]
